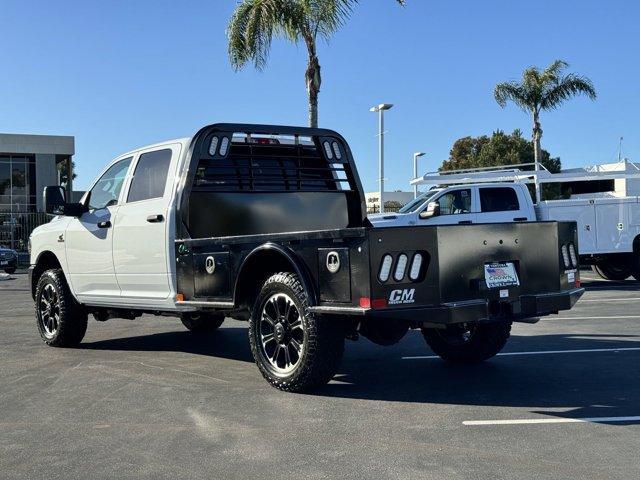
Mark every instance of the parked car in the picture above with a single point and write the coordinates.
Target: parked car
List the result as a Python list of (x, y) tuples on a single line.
[(268, 224), (8, 260)]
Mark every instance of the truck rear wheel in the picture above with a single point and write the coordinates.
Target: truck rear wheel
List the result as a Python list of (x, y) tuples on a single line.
[(611, 271), (294, 349), (202, 322), (62, 322), (468, 343)]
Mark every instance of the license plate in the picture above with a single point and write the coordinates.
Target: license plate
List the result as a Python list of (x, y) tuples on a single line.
[(4, 262), (500, 274)]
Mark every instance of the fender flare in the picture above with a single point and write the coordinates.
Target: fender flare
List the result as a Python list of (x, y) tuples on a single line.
[(288, 255)]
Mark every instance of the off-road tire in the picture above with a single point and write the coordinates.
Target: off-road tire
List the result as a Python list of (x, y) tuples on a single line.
[(611, 272), (10, 270), (485, 342), (71, 316), (323, 338), (202, 322)]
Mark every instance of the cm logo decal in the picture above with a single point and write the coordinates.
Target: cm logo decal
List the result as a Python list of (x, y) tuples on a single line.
[(402, 296)]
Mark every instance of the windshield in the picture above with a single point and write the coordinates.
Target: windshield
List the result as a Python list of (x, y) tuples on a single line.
[(414, 204)]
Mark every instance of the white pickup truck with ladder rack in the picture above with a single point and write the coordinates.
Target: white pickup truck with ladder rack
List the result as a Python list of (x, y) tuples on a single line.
[(608, 221)]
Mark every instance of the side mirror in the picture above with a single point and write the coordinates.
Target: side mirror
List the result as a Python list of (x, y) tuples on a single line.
[(432, 210), (54, 199)]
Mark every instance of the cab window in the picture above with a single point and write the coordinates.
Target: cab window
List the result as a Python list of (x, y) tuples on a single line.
[(455, 202), (150, 176), (106, 191), (498, 199)]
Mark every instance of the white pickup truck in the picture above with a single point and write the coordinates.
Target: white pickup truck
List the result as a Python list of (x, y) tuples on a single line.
[(608, 226), (268, 224)]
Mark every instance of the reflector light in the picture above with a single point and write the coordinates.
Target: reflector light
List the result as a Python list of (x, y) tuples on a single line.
[(401, 267), (574, 257), (224, 145), (327, 150), (179, 297), (213, 146), (565, 256), (385, 268), (416, 265), (365, 302), (336, 150)]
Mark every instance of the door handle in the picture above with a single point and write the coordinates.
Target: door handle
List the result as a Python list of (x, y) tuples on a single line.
[(104, 224), (520, 219), (155, 218), (465, 222)]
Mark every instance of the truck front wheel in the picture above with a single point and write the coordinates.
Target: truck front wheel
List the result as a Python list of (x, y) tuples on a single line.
[(62, 322), (294, 349), (468, 343), (202, 322)]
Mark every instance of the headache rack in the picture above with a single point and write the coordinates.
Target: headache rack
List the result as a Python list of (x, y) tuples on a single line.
[(245, 162), (247, 179)]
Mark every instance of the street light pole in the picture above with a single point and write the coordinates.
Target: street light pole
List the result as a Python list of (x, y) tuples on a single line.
[(415, 171), (380, 109)]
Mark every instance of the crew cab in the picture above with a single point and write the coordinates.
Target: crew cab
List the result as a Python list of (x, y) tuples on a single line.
[(479, 203), (268, 224)]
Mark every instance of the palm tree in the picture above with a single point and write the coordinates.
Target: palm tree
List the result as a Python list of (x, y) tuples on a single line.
[(254, 23), (542, 90)]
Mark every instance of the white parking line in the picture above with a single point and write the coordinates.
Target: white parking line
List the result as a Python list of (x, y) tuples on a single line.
[(531, 421), (621, 299), (594, 318), (541, 352), (611, 287)]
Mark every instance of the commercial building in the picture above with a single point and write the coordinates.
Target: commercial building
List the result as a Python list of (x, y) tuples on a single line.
[(28, 163), (392, 200)]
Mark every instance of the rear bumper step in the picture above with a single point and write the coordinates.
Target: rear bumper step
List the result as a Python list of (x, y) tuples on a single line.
[(527, 307)]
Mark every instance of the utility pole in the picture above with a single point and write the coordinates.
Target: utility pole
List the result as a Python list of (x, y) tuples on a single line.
[(380, 109)]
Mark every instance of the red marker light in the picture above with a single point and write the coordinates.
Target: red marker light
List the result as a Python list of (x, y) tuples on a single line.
[(365, 302)]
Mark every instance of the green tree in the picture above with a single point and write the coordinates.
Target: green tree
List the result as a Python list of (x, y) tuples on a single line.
[(63, 172), (497, 150), (254, 23), (543, 90)]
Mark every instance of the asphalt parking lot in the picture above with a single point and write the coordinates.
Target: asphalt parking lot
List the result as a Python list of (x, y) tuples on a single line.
[(147, 399)]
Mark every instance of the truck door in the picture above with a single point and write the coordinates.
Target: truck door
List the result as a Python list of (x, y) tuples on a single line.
[(455, 207), (88, 239), (500, 204), (140, 241)]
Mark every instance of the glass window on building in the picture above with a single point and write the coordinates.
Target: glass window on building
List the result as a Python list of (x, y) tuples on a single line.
[(17, 183)]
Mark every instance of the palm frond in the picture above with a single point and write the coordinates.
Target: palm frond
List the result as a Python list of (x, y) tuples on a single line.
[(569, 86), (554, 71), (513, 91), (251, 29), (325, 17)]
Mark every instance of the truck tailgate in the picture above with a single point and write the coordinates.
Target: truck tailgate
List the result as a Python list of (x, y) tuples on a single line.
[(455, 257)]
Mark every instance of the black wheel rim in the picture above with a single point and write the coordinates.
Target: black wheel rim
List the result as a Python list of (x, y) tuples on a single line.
[(459, 334), (49, 309), (281, 332)]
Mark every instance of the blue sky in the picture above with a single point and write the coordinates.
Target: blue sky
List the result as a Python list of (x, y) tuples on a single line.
[(122, 74)]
